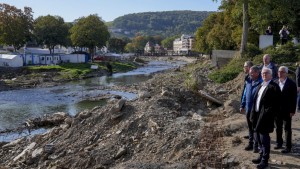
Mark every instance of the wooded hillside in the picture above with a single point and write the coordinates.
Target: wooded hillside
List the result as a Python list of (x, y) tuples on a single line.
[(166, 23)]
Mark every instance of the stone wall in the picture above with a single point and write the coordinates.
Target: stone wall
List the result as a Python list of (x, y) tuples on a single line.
[(222, 57)]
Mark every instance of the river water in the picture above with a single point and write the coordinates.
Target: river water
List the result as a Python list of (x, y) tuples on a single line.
[(18, 105)]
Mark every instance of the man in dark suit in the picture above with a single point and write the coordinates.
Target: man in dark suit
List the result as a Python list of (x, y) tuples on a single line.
[(265, 107), (267, 63), (298, 86), (288, 102)]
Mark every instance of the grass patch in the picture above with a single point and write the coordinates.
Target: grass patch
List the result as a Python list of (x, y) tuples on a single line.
[(71, 71), (229, 71)]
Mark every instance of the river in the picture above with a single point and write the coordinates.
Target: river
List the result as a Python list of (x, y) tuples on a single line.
[(18, 105)]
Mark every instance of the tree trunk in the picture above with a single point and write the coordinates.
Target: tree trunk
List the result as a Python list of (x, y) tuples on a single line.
[(50, 49), (91, 50), (245, 28)]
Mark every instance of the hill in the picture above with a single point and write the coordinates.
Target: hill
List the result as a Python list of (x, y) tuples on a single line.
[(167, 23)]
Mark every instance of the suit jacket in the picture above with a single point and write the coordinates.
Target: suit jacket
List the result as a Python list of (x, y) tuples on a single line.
[(263, 119), (288, 99), (298, 76), (274, 69)]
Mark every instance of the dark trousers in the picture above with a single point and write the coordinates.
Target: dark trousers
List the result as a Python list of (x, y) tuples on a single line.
[(287, 123), (283, 41), (264, 145), (251, 132), (298, 103)]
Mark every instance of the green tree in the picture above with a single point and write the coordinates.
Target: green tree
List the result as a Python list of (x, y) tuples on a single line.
[(116, 45), (50, 31), (168, 42), (139, 42), (89, 32), (276, 14), (245, 32), (68, 41), (15, 25), (218, 32), (129, 47)]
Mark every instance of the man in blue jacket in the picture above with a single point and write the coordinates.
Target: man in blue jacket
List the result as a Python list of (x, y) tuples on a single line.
[(247, 104)]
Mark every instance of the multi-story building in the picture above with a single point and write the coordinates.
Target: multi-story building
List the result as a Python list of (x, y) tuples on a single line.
[(183, 45)]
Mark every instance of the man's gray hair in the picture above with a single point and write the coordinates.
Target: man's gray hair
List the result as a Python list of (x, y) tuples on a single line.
[(248, 63), (286, 69), (265, 69), (255, 68)]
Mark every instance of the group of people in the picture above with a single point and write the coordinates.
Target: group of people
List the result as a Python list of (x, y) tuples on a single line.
[(283, 34), (269, 101)]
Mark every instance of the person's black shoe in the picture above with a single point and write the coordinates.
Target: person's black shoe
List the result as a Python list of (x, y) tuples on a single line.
[(287, 150), (278, 147), (256, 161), (262, 166), (246, 137), (249, 147), (255, 150)]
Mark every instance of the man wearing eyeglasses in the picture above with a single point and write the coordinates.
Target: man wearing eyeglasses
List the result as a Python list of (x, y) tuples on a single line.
[(265, 107), (288, 102)]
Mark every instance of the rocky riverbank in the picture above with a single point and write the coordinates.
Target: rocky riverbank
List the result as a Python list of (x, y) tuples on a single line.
[(169, 126)]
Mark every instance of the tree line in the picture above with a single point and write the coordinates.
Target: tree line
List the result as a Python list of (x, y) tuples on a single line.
[(167, 23), (17, 28), (224, 29)]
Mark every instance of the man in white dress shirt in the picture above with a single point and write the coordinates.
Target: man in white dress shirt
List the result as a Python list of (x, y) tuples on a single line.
[(288, 102), (265, 107)]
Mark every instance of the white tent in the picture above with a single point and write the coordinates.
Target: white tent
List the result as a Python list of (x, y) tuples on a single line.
[(11, 60)]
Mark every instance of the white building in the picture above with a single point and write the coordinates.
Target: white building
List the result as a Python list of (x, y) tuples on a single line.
[(156, 49), (149, 48), (184, 44), (74, 58), (11, 60)]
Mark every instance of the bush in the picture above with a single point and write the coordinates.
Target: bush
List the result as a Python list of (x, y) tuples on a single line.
[(252, 51), (229, 72), (283, 54)]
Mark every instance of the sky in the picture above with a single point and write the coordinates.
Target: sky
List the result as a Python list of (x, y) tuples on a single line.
[(108, 10)]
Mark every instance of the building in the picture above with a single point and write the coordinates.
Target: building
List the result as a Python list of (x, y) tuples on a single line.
[(149, 48), (11, 60), (183, 45), (154, 50)]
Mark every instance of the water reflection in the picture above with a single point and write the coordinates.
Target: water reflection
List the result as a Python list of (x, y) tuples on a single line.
[(7, 137), (18, 105)]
